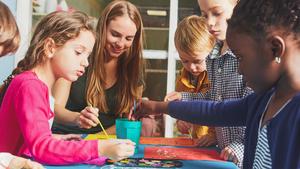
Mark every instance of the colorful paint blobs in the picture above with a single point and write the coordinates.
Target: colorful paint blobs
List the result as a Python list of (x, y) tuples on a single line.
[(141, 162), (125, 161), (167, 141), (112, 161), (182, 153)]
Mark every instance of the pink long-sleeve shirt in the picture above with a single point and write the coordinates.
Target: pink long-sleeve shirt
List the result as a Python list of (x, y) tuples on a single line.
[(24, 116)]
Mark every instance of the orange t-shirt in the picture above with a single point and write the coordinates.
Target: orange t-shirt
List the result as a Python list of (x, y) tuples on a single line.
[(183, 84)]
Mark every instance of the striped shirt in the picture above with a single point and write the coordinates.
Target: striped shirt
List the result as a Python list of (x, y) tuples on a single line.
[(262, 158), (226, 84)]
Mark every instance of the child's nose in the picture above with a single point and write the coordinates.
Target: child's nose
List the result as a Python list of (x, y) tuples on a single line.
[(85, 62), (209, 21), (192, 67)]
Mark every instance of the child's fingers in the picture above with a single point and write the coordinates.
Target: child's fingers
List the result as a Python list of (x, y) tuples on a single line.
[(182, 129), (167, 97), (74, 137), (227, 154), (130, 113), (206, 141), (235, 160), (187, 125), (123, 151), (127, 141), (173, 96)]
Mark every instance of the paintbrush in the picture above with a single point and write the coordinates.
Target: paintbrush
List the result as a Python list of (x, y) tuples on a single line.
[(190, 135), (134, 108), (101, 126), (120, 142)]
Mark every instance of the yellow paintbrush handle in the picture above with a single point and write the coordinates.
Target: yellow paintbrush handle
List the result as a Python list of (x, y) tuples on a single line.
[(101, 126), (103, 129)]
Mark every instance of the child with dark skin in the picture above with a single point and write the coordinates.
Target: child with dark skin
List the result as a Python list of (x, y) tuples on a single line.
[(265, 38), (225, 82)]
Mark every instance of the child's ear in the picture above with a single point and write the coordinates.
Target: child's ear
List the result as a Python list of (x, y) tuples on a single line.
[(49, 47), (277, 45)]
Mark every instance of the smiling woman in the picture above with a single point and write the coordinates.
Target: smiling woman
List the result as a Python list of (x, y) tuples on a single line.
[(120, 33), (112, 82)]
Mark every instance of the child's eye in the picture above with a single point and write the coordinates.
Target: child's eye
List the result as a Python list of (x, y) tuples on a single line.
[(78, 53), (205, 16), (198, 62), (129, 39), (217, 13)]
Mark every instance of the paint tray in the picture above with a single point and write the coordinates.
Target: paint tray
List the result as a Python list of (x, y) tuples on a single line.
[(142, 162)]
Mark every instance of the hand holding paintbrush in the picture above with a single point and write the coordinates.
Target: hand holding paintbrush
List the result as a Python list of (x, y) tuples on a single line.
[(87, 118)]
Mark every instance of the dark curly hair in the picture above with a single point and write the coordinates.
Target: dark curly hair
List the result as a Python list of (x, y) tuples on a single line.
[(260, 17)]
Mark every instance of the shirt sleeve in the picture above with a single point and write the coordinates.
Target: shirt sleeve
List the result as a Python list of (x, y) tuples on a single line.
[(196, 96), (5, 159), (208, 113), (33, 112), (237, 145)]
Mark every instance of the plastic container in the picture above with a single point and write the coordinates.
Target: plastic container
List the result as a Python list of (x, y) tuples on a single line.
[(129, 130)]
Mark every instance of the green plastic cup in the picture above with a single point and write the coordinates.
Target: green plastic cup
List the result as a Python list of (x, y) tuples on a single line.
[(129, 130)]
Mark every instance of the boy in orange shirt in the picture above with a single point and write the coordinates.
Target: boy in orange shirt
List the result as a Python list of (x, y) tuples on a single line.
[(193, 43)]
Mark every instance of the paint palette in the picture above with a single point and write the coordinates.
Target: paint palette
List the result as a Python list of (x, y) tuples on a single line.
[(141, 162)]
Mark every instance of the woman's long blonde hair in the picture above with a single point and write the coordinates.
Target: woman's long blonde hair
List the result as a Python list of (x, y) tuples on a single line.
[(129, 64)]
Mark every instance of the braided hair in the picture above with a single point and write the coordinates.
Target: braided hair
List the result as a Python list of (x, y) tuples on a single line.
[(260, 17)]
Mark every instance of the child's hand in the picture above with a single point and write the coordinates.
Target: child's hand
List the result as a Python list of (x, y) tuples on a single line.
[(206, 141), (227, 154), (146, 108), (19, 162), (173, 96), (88, 117), (183, 127), (114, 150), (67, 137)]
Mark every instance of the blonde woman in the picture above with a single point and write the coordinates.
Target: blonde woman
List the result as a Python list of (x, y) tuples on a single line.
[(113, 80)]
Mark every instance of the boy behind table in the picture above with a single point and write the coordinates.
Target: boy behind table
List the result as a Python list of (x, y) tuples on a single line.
[(226, 83), (193, 43)]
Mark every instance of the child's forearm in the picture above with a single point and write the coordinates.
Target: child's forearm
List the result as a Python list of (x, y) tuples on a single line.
[(162, 107)]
